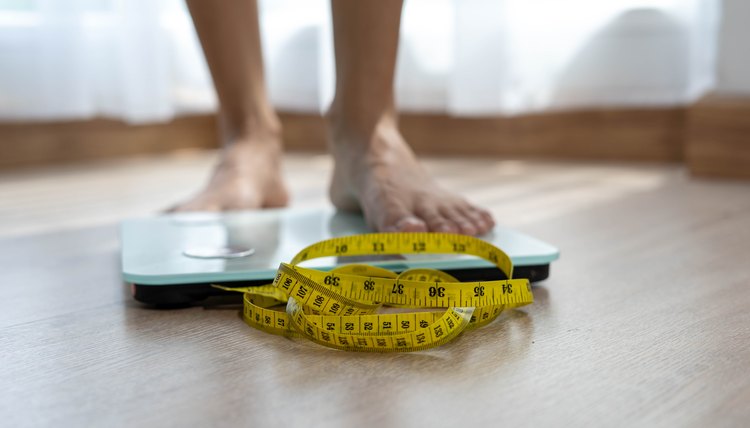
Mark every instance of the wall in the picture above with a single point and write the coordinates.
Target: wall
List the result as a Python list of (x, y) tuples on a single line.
[(733, 67)]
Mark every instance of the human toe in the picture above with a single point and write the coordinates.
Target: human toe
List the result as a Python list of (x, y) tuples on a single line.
[(465, 224), (481, 218), (436, 222), (395, 218), (410, 224)]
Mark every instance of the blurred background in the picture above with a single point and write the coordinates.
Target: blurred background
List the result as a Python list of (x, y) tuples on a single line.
[(140, 60), (83, 81)]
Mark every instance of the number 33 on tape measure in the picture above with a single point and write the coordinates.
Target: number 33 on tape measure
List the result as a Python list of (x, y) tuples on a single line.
[(339, 309)]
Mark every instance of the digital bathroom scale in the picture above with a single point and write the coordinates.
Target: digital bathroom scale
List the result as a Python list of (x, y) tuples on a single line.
[(173, 259)]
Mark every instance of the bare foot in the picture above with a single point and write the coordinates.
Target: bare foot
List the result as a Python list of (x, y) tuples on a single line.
[(379, 174), (247, 176)]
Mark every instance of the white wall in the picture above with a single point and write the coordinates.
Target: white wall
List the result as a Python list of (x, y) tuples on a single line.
[(733, 66), (140, 60)]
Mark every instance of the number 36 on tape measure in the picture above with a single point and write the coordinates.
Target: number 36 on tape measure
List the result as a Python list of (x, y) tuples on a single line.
[(339, 308)]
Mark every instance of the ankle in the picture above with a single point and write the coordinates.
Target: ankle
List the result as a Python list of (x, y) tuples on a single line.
[(259, 129), (358, 125)]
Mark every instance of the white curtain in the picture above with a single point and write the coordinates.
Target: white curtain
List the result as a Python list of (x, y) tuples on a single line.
[(140, 60)]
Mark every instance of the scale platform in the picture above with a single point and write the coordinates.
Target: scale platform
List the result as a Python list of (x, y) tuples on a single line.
[(172, 259)]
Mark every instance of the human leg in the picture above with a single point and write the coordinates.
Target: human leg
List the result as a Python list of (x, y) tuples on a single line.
[(248, 174), (375, 170)]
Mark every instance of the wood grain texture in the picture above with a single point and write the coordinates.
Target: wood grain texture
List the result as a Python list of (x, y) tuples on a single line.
[(718, 137), (614, 134), (33, 144), (643, 322)]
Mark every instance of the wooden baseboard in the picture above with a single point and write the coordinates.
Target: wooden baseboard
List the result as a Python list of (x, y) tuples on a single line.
[(622, 134), (30, 144), (613, 134), (718, 137)]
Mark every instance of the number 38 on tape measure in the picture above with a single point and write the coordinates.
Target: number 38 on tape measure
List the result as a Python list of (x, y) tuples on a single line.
[(339, 308)]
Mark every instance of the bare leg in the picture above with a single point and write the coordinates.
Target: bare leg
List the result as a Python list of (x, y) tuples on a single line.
[(249, 172), (376, 171)]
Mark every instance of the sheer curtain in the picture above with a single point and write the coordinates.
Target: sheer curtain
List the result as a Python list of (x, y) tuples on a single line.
[(140, 60)]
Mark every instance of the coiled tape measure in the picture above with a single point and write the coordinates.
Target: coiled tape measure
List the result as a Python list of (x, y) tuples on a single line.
[(338, 308)]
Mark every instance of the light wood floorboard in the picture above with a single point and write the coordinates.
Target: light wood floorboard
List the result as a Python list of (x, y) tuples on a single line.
[(643, 322)]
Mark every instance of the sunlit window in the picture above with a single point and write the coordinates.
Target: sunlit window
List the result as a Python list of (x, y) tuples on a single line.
[(140, 59)]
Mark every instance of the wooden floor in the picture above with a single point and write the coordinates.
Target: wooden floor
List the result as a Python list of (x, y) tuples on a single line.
[(645, 320)]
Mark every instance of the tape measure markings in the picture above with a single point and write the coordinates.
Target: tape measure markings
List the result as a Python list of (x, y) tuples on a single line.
[(337, 308)]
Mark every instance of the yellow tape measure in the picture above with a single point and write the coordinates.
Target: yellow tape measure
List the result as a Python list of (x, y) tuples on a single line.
[(338, 309)]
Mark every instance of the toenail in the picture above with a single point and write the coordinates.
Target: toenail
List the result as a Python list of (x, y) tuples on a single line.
[(409, 224), (444, 228)]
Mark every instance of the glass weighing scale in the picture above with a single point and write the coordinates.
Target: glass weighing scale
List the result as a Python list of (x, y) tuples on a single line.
[(173, 259)]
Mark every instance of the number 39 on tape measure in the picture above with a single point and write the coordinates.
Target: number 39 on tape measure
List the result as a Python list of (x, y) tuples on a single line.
[(340, 309)]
